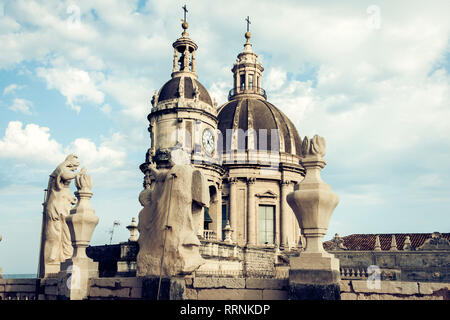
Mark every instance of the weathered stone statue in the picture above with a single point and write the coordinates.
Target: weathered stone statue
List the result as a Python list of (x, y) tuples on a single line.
[(56, 244), (166, 223)]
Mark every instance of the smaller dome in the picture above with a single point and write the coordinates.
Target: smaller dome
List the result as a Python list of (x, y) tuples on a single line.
[(170, 89), (263, 117)]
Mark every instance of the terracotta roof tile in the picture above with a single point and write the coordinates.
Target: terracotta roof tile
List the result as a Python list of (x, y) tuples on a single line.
[(367, 241)]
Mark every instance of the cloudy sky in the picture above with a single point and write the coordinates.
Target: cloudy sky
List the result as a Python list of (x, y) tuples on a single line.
[(372, 77)]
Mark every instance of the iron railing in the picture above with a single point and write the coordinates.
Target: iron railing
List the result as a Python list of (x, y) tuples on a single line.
[(255, 90)]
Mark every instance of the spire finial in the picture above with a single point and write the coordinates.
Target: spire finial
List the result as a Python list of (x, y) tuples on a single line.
[(185, 11), (184, 25), (248, 34)]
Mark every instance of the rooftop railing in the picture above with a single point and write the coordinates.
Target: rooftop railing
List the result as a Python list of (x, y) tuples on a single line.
[(243, 90)]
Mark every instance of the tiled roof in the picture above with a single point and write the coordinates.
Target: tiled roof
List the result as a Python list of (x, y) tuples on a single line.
[(367, 241)]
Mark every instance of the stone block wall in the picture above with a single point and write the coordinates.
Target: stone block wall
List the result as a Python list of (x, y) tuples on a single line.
[(18, 289), (259, 262), (198, 288), (419, 266), (394, 290), (221, 288)]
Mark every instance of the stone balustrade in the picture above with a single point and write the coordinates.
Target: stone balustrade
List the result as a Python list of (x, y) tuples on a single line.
[(209, 235)]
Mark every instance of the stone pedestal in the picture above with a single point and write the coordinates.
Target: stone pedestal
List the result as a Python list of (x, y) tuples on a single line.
[(314, 274), (73, 279)]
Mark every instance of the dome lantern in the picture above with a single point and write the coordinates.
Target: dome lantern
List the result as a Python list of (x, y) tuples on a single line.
[(247, 71), (184, 61)]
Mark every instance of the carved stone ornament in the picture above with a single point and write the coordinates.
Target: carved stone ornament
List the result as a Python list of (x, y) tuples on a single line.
[(436, 242), (337, 243), (314, 147)]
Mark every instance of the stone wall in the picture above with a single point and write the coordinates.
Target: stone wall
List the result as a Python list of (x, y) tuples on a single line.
[(394, 290), (18, 289), (198, 288), (220, 288), (259, 262), (423, 266)]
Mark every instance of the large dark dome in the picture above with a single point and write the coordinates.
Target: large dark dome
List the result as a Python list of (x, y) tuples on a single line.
[(251, 112), (170, 90)]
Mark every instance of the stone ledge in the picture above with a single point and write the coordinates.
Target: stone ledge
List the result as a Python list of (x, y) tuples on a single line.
[(258, 283), (432, 287), (229, 294), (19, 281), (97, 292), (20, 288), (386, 287), (345, 285), (116, 283), (274, 294), (214, 282)]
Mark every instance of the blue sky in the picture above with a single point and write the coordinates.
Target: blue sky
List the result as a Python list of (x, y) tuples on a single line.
[(372, 77)]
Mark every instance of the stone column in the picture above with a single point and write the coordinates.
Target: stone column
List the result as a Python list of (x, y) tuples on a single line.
[(76, 271), (175, 60), (219, 213), (251, 212), (314, 274), (194, 62), (285, 221), (233, 207)]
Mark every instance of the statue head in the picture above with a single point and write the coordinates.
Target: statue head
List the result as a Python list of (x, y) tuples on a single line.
[(72, 162)]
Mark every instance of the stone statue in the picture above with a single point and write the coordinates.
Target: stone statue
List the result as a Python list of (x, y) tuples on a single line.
[(166, 223), (56, 244), (196, 92), (145, 197), (155, 99)]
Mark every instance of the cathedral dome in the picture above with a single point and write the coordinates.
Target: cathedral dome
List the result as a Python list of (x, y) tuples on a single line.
[(246, 113), (171, 90)]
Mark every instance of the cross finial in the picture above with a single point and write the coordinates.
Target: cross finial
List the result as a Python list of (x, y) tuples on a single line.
[(185, 11), (248, 23)]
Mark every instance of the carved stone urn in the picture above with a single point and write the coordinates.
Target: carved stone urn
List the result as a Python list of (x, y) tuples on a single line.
[(82, 219), (75, 272), (313, 203)]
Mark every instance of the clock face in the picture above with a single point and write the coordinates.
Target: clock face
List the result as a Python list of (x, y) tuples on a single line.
[(208, 141)]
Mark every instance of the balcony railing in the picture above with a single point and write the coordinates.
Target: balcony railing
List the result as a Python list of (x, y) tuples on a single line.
[(209, 235), (254, 90)]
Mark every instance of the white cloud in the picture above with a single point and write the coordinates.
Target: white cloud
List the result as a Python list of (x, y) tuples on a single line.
[(11, 88), (219, 91), (106, 109), (275, 79), (21, 105), (98, 159), (30, 144), (75, 84)]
